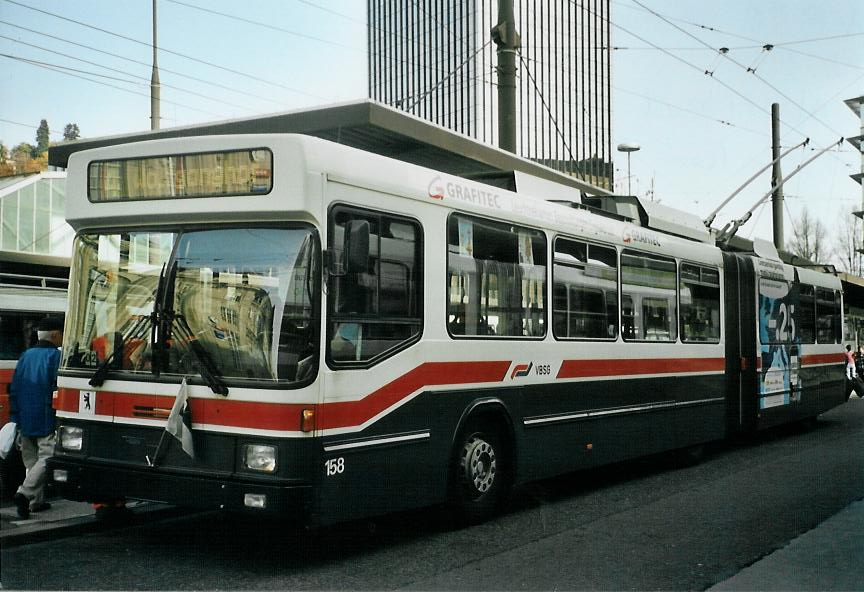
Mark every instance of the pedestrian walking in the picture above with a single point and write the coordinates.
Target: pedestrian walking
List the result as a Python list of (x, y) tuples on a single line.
[(851, 371), (30, 397), (859, 361)]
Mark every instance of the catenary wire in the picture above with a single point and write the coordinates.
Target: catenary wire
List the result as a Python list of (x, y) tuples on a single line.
[(147, 64), (747, 69), (71, 72), (162, 49), (146, 80), (265, 25), (9, 121)]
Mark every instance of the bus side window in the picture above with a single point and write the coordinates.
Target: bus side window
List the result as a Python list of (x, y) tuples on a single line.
[(374, 307), (828, 318), (17, 333), (496, 279), (650, 281), (585, 291), (699, 289), (807, 314)]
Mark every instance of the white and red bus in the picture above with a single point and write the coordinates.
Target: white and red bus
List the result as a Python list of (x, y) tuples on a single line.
[(24, 300), (362, 335)]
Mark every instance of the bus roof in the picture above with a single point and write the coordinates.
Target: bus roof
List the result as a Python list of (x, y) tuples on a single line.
[(371, 127)]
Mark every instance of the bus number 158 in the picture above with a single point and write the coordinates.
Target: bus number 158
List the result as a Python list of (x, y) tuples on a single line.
[(334, 466)]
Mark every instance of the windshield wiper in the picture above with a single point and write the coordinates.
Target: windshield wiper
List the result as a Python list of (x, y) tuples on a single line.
[(162, 330), (207, 368), (136, 331)]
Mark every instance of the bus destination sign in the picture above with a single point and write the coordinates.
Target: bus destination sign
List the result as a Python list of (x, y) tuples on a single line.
[(207, 174)]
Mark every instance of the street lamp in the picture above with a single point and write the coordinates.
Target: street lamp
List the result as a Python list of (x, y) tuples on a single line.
[(628, 148)]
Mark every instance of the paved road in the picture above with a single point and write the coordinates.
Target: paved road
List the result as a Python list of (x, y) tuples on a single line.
[(641, 525)]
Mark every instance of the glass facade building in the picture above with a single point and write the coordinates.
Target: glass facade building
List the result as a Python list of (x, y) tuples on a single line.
[(436, 59), (32, 211)]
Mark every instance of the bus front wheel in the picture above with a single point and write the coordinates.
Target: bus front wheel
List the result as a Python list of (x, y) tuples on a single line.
[(480, 473)]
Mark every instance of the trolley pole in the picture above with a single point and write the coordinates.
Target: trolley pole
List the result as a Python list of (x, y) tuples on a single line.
[(507, 39), (154, 81), (776, 177)]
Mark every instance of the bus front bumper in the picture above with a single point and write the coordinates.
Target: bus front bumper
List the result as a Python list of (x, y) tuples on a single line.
[(90, 482)]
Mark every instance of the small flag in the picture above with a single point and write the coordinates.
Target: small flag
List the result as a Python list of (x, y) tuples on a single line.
[(180, 420)]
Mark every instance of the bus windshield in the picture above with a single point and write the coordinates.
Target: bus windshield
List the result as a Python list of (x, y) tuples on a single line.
[(246, 295)]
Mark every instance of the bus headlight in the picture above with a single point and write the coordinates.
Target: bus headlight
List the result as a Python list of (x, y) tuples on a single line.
[(259, 457), (71, 438)]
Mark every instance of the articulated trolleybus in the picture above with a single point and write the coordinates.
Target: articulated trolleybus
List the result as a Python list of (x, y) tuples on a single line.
[(355, 335)]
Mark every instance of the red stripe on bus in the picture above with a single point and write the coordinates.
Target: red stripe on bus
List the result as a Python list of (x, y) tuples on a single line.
[(835, 358), (287, 417), (66, 400), (593, 368), (351, 413)]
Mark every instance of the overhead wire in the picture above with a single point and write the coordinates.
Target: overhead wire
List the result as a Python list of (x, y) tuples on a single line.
[(9, 121), (818, 57), (815, 39), (661, 102), (739, 36), (263, 24), (70, 72), (691, 112), (66, 68), (169, 51), (545, 106), (145, 79), (288, 31), (728, 87), (746, 68), (333, 12), (481, 79), (162, 69), (683, 61)]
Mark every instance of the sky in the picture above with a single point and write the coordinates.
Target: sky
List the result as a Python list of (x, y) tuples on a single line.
[(701, 135)]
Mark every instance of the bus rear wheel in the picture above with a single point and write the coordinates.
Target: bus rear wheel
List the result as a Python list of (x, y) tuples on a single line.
[(480, 474)]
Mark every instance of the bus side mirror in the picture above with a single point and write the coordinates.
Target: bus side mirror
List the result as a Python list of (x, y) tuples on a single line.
[(356, 253)]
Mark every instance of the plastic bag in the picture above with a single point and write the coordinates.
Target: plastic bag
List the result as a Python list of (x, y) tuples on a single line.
[(7, 438)]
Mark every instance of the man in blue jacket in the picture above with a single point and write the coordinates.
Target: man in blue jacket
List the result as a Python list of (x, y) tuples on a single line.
[(30, 397)]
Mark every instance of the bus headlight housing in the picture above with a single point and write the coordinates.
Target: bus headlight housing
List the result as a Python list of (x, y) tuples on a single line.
[(260, 457), (71, 438)]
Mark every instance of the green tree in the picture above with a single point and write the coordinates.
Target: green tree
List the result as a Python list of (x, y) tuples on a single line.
[(23, 149), (4, 153), (71, 132), (42, 139)]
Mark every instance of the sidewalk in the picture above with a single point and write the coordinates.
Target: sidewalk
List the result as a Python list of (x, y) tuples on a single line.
[(66, 518), (829, 557)]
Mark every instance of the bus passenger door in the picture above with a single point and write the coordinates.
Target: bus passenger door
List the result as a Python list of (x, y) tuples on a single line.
[(739, 296), (778, 350)]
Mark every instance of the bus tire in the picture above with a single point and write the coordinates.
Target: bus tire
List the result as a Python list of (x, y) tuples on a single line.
[(480, 479), (12, 474)]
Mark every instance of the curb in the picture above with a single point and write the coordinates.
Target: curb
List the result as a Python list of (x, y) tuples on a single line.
[(19, 535)]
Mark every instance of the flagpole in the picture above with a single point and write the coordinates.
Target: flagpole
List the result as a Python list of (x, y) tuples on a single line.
[(176, 410), (152, 463)]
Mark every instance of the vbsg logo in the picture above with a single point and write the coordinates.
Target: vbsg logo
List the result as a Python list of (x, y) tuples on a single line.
[(543, 370)]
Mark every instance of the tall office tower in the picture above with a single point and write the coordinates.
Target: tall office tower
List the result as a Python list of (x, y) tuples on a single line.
[(436, 59)]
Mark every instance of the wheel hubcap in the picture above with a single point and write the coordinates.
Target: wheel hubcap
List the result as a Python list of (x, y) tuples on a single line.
[(479, 464)]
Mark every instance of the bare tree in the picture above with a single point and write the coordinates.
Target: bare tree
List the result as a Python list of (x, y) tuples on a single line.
[(808, 238), (848, 239)]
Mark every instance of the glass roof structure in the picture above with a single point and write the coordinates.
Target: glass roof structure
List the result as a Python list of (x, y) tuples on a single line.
[(32, 222)]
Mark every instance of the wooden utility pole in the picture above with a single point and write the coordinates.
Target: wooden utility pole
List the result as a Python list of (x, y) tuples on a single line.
[(507, 39)]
